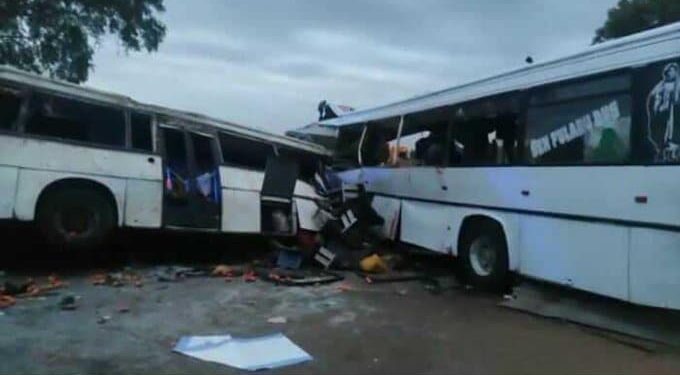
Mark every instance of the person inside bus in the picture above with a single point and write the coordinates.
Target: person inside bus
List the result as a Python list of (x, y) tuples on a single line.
[(430, 150)]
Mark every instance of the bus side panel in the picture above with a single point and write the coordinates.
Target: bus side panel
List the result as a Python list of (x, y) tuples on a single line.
[(388, 209), (8, 188), (655, 268), (587, 256), (143, 203), (241, 199), (428, 225), (306, 210), (240, 211), (62, 157), (32, 183), (241, 179)]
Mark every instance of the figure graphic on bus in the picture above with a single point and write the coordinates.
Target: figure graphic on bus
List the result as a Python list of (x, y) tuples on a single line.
[(662, 103)]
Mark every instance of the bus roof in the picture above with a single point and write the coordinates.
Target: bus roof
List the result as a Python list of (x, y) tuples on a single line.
[(634, 50), (9, 74)]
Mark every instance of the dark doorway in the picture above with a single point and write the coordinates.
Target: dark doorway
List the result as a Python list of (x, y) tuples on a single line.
[(192, 194)]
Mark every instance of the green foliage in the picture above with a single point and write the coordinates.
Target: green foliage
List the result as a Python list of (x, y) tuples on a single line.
[(58, 37), (632, 16)]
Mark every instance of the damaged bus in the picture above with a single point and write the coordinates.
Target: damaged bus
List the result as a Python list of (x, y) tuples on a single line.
[(566, 171), (82, 162)]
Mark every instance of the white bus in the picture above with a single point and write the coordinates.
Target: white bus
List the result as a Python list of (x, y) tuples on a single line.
[(81, 162), (566, 171)]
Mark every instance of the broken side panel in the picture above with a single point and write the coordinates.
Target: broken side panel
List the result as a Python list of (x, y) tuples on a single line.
[(277, 209)]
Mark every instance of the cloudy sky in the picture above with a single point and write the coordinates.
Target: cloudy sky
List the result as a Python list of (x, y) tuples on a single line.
[(267, 63)]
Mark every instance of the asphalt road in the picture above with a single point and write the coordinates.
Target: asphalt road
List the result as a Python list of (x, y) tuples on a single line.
[(378, 328)]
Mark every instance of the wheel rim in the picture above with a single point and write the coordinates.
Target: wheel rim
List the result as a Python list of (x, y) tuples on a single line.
[(483, 256)]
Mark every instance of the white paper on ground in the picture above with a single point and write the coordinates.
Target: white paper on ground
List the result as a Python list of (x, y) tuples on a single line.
[(247, 354)]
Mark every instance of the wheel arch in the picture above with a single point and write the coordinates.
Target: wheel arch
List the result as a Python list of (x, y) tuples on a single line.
[(72, 182)]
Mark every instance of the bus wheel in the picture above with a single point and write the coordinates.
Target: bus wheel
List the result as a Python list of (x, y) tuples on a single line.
[(76, 217), (484, 256)]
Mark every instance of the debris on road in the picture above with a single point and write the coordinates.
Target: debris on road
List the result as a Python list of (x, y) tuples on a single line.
[(252, 354), (289, 259), (250, 276), (177, 273), (277, 320), (103, 319), (299, 277), (373, 264), (10, 291), (7, 301), (117, 279), (68, 302), (325, 257), (228, 272)]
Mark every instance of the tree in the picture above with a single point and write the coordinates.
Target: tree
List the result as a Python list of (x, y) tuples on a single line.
[(632, 16), (59, 37)]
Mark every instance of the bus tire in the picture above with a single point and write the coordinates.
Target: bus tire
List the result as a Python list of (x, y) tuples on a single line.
[(76, 217), (484, 256)]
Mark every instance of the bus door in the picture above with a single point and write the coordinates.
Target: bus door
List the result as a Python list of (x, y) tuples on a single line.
[(192, 194)]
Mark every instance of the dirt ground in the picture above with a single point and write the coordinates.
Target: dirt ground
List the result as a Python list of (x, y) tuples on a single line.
[(379, 328)]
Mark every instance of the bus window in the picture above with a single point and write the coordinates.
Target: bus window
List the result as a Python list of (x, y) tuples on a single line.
[(489, 141), (375, 148), (485, 132), (140, 129), (74, 120), (245, 152), (429, 148), (589, 129), (10, 105)]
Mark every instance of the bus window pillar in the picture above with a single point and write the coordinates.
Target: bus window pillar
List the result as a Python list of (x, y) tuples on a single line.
[(394, 157), (361, 145)]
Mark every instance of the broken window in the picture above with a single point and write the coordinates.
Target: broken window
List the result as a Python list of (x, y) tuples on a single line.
[(75, 120), (347, 146), (140, 131), (584, 122), (308, 162), (422, 142), (10, 106), (377, 147), (245, 152), (485, 132)]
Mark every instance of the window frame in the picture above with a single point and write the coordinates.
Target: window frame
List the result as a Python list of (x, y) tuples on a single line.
[(29, 94), (25, 95), (128, 131), (455, 123), (219, 132), (524, 96), (629, 71)]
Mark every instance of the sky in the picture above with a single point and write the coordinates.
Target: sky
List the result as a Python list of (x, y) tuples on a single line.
[(268, 63)]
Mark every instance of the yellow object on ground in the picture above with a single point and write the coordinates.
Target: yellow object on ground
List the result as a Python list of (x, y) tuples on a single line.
[(373, 264)]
